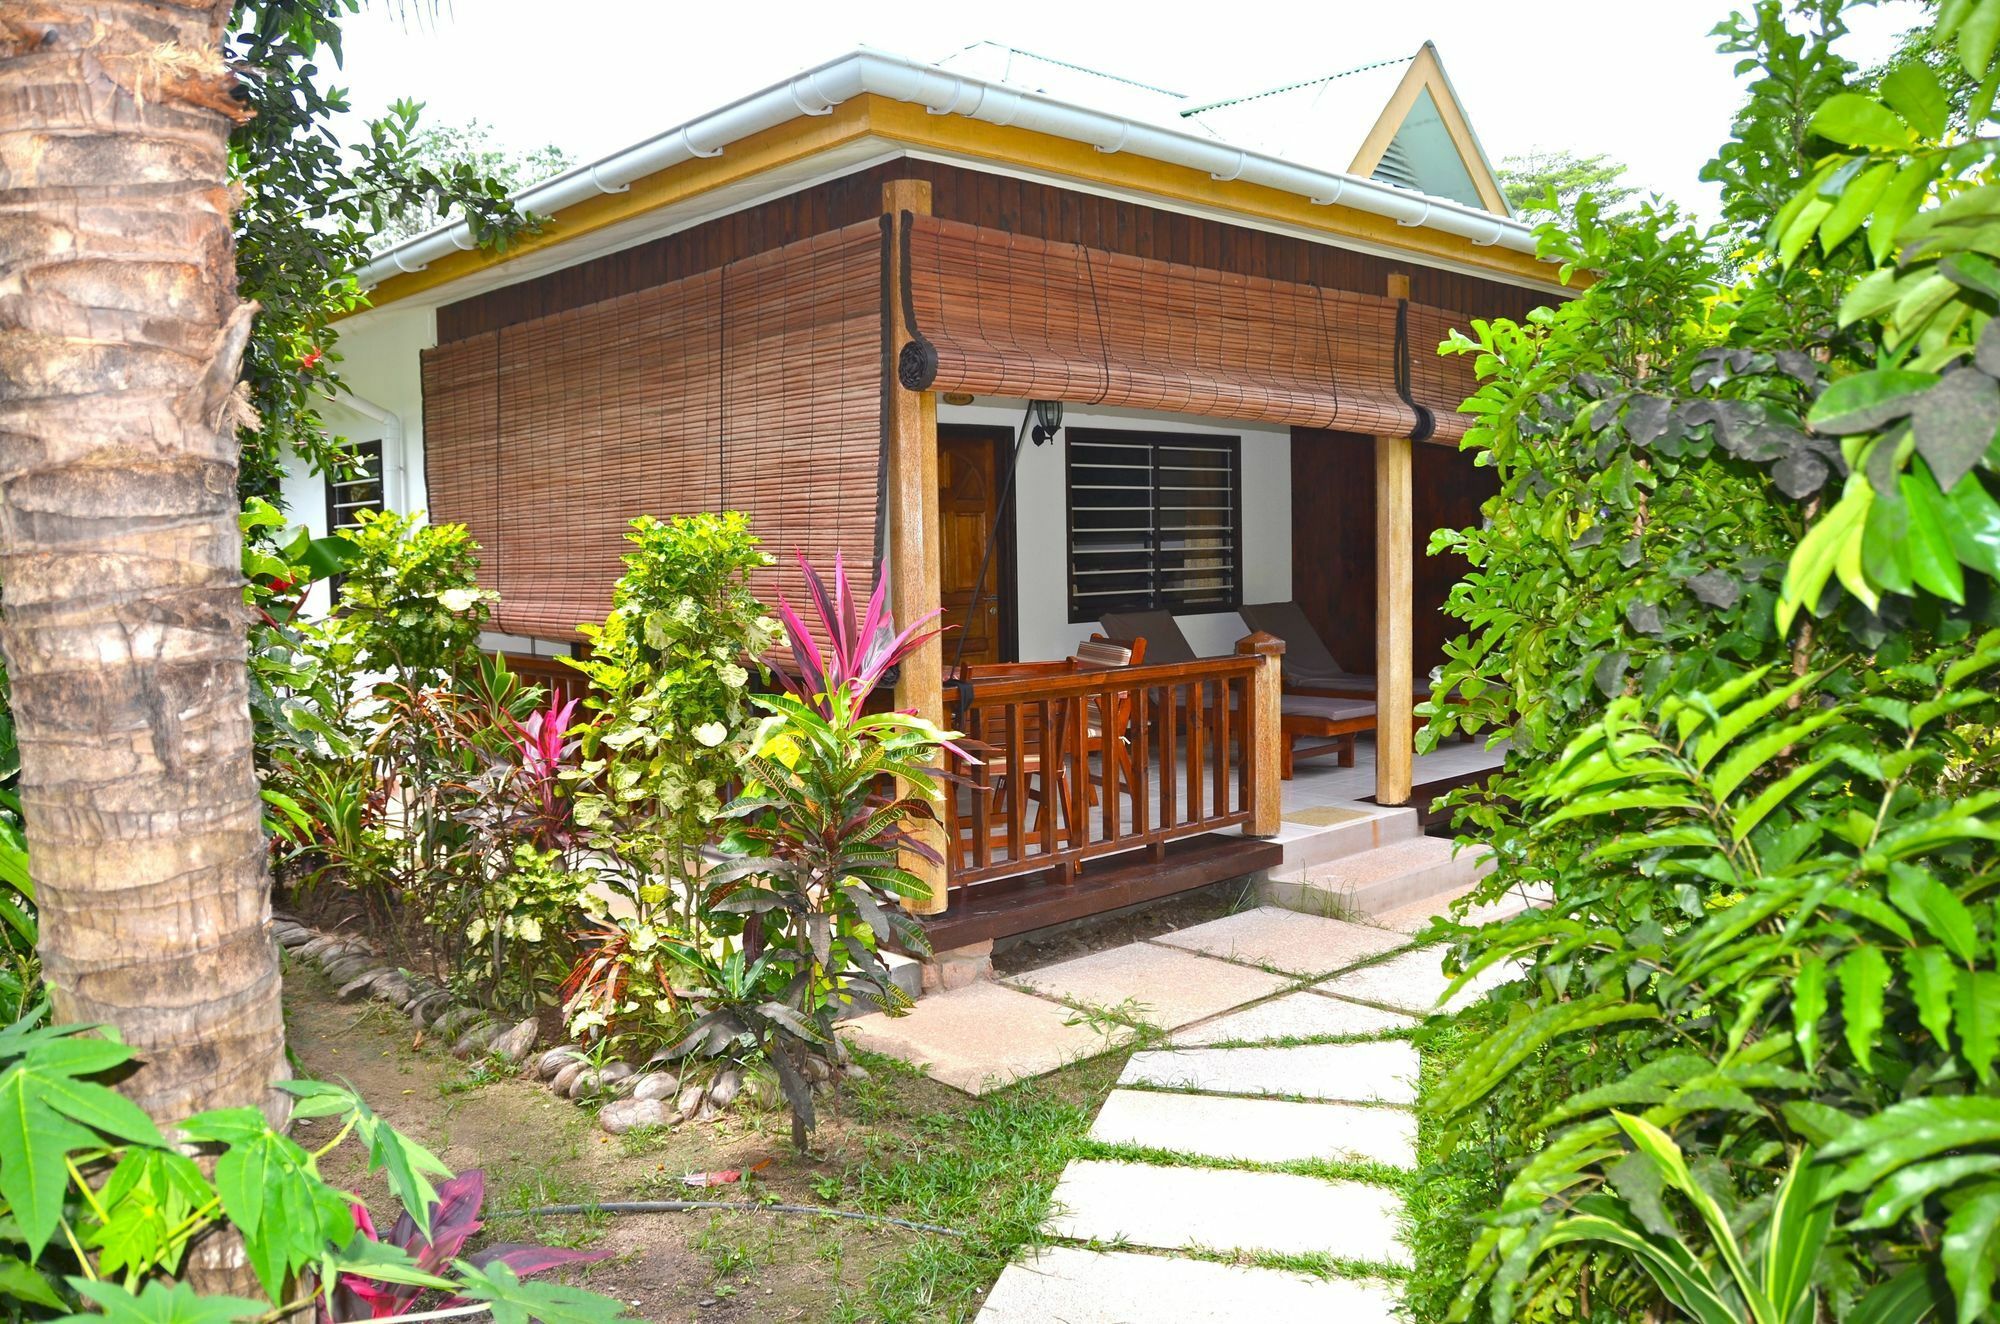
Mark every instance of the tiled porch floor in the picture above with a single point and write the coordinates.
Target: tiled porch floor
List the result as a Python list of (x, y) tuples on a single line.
[(1322, 781)]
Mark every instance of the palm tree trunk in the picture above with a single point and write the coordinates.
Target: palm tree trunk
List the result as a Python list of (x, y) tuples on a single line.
[(120, 335)]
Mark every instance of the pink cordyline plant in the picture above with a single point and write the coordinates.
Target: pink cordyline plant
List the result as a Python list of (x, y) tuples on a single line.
[(543, 741), (454, 1218), (542, 745), (856, 654)]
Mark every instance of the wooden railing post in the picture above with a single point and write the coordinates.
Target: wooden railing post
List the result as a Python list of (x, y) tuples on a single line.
[(1265, 726), (1394, 609), (914, 568)]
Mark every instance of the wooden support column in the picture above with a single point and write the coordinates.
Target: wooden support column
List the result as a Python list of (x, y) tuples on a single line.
[(1267, 733), (1395, 575), (914, 569)]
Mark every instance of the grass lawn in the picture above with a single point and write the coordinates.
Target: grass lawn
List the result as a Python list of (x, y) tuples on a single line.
[(896, 1143)]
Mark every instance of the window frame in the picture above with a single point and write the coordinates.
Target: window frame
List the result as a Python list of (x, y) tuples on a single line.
[(1155, 439)]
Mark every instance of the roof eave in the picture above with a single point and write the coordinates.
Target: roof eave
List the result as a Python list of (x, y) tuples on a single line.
[(819, 90)]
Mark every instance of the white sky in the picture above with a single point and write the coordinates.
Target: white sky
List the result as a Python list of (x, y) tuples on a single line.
[(1638, 79)]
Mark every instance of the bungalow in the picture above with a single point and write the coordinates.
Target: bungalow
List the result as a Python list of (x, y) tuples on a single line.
[(1057, 347)]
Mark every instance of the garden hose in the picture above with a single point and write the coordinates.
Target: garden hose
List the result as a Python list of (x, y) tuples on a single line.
[(740, 1206)]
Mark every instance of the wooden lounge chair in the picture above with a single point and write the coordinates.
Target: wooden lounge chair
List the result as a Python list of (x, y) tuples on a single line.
[(1322, 702), (1334, 722), (1308, 664)]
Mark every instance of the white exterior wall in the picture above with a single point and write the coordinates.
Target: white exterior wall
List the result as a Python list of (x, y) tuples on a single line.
[(1041, 540), (380, 366)]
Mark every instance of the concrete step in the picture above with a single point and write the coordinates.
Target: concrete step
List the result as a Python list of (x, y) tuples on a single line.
[(1358, 828), (1377, 881), (1286, 941), (1380, 1071), (984, 1036), (1306, 1014), (1415, 981), (1416, 917), (1256, 1130)]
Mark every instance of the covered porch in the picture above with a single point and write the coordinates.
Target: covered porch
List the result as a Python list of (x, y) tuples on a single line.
[(1072, 434)]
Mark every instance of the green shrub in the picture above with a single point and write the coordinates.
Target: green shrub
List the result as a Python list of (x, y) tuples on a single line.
[(820, 837), (1734, 607), (98, 1207), (410, 600), (670, 685)]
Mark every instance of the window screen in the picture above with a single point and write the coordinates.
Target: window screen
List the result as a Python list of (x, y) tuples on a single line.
[(1154, 522)]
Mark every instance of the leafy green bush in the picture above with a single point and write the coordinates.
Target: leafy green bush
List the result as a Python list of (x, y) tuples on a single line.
[(753, 956), (406, 791), (98, 1207), (1734, 607), (410, 600), (671, 688), (510, 929), (820, 835)]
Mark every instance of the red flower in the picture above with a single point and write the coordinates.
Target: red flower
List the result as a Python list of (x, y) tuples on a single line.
[(312, 360)]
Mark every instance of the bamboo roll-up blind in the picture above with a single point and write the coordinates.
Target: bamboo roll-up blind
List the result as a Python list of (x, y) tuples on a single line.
[(994, 313), (753, 387), (1440, 382), (802, 400)]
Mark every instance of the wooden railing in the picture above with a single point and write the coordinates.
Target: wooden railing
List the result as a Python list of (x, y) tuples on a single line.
[(1083, 764)]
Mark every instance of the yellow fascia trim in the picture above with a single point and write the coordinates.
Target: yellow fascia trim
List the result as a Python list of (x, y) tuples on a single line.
[(773, 148), (901, 123), (1427, 73), (914, 127)]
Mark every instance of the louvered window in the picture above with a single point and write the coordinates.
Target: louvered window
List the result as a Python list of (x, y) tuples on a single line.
[(1155, 522), (356, 488)]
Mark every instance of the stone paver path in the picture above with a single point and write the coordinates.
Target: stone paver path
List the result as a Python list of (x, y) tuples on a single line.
[(1159, 985), (984, 1036), (1064, 1285), (1267, 1131)]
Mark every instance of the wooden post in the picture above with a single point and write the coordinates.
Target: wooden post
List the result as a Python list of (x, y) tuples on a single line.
[(1394, 609), (914, 569), (1266, 700)]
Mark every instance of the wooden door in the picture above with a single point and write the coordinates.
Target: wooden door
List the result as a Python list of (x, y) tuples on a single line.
[(972, 462)]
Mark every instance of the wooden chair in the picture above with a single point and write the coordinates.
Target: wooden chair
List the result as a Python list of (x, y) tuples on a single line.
[(1110, 736), (1157, 629), (1049, 790)]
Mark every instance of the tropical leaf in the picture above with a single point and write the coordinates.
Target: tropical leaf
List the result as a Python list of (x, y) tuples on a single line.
[(158, 1303)]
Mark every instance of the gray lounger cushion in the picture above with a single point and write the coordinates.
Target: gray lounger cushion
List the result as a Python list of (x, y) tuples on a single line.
[(1165, 643), (1307, 659)]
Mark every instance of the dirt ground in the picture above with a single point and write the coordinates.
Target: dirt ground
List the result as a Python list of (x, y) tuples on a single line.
[(719, 1267), (535, 1149), (1034, 950)]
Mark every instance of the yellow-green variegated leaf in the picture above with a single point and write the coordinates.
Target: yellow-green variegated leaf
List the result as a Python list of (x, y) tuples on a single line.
[(1825, 545)]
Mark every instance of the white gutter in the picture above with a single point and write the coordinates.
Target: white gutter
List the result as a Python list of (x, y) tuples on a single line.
[(817, 91), (392, 444)]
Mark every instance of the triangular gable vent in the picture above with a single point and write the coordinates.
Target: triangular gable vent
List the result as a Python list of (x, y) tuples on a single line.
[(1396, 168)]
